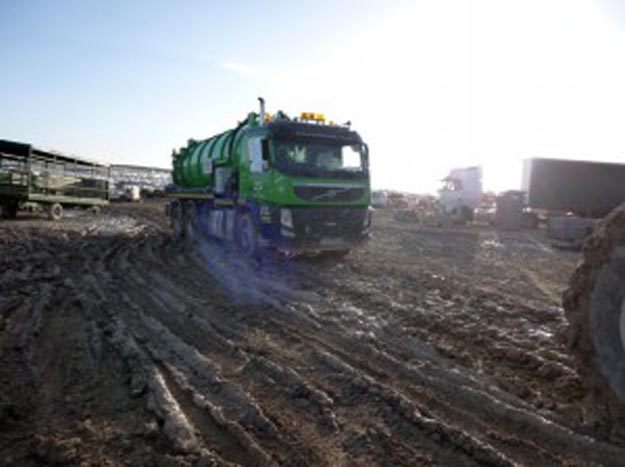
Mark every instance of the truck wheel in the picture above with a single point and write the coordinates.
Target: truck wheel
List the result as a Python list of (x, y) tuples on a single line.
[(13, 210), (95, 210), (55, 212), (246, 236), (5, 210), (190, 224), (9, 209), (176, 219), (595, 307)]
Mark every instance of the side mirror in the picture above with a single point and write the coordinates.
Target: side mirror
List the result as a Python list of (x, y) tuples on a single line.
[(265, 149)]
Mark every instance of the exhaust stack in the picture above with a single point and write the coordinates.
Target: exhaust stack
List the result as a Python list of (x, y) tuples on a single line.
[(261, 120)]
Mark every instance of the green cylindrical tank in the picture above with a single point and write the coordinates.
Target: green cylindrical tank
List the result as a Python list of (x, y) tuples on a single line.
[(193, 165)]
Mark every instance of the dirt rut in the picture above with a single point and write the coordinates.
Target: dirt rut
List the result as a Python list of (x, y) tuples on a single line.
[(120, 345)]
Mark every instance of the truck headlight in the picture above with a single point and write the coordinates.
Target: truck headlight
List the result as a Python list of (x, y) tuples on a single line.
[(265, 211), (286, 217)]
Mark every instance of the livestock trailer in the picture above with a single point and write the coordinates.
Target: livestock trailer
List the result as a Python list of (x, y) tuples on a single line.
[(37, 177)]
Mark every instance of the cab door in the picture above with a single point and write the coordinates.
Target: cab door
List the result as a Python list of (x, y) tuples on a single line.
[(254, 166)]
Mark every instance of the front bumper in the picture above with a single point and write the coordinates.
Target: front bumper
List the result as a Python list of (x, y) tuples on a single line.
[(320, 229)]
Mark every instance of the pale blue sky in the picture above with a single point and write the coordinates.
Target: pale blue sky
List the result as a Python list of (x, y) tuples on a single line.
[(430, 84)]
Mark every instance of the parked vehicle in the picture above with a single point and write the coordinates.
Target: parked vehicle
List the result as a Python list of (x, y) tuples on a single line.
[(49, 180), (461, 193), (572, 195), (126, 192)]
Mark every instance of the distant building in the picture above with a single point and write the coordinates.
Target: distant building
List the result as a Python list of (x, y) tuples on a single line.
[(146, 178)]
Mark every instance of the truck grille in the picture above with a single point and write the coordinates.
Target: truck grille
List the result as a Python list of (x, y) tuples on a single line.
[(328, 222), (328, 193)]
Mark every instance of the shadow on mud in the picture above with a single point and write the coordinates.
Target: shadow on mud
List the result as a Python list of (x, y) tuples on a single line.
[(273, 280)]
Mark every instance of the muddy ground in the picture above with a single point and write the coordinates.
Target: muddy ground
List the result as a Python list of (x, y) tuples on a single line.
[(120, 345)]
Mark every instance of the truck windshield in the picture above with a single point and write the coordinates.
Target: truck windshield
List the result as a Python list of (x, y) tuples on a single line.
[(321, 159)]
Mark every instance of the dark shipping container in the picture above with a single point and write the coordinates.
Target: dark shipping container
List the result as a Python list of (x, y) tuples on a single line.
[(590, 189)]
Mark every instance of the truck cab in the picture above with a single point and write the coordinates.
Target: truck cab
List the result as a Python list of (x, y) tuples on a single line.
[(461, 193), (309, 184)]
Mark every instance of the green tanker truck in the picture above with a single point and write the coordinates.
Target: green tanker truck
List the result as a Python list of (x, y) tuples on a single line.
[(274, 182)]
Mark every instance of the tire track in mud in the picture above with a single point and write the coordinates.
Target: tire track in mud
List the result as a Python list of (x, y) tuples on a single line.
[(234, 399), (444, 429), (256, 296), (327, 398), (213, 361), (62, 391), (475, 326), (65, 402), (182, 371), (141, 284), (474, 406), (470, 332), (476, 401), (587, 446)]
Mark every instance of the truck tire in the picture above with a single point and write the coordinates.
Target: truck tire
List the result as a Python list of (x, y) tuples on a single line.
[(55, 211), (246, 236), (595, 308), (177, 219), (8, 209)]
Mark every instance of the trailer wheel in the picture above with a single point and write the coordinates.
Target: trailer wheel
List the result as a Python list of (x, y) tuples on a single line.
[(55, 212), (246, 236), (176, 220)]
